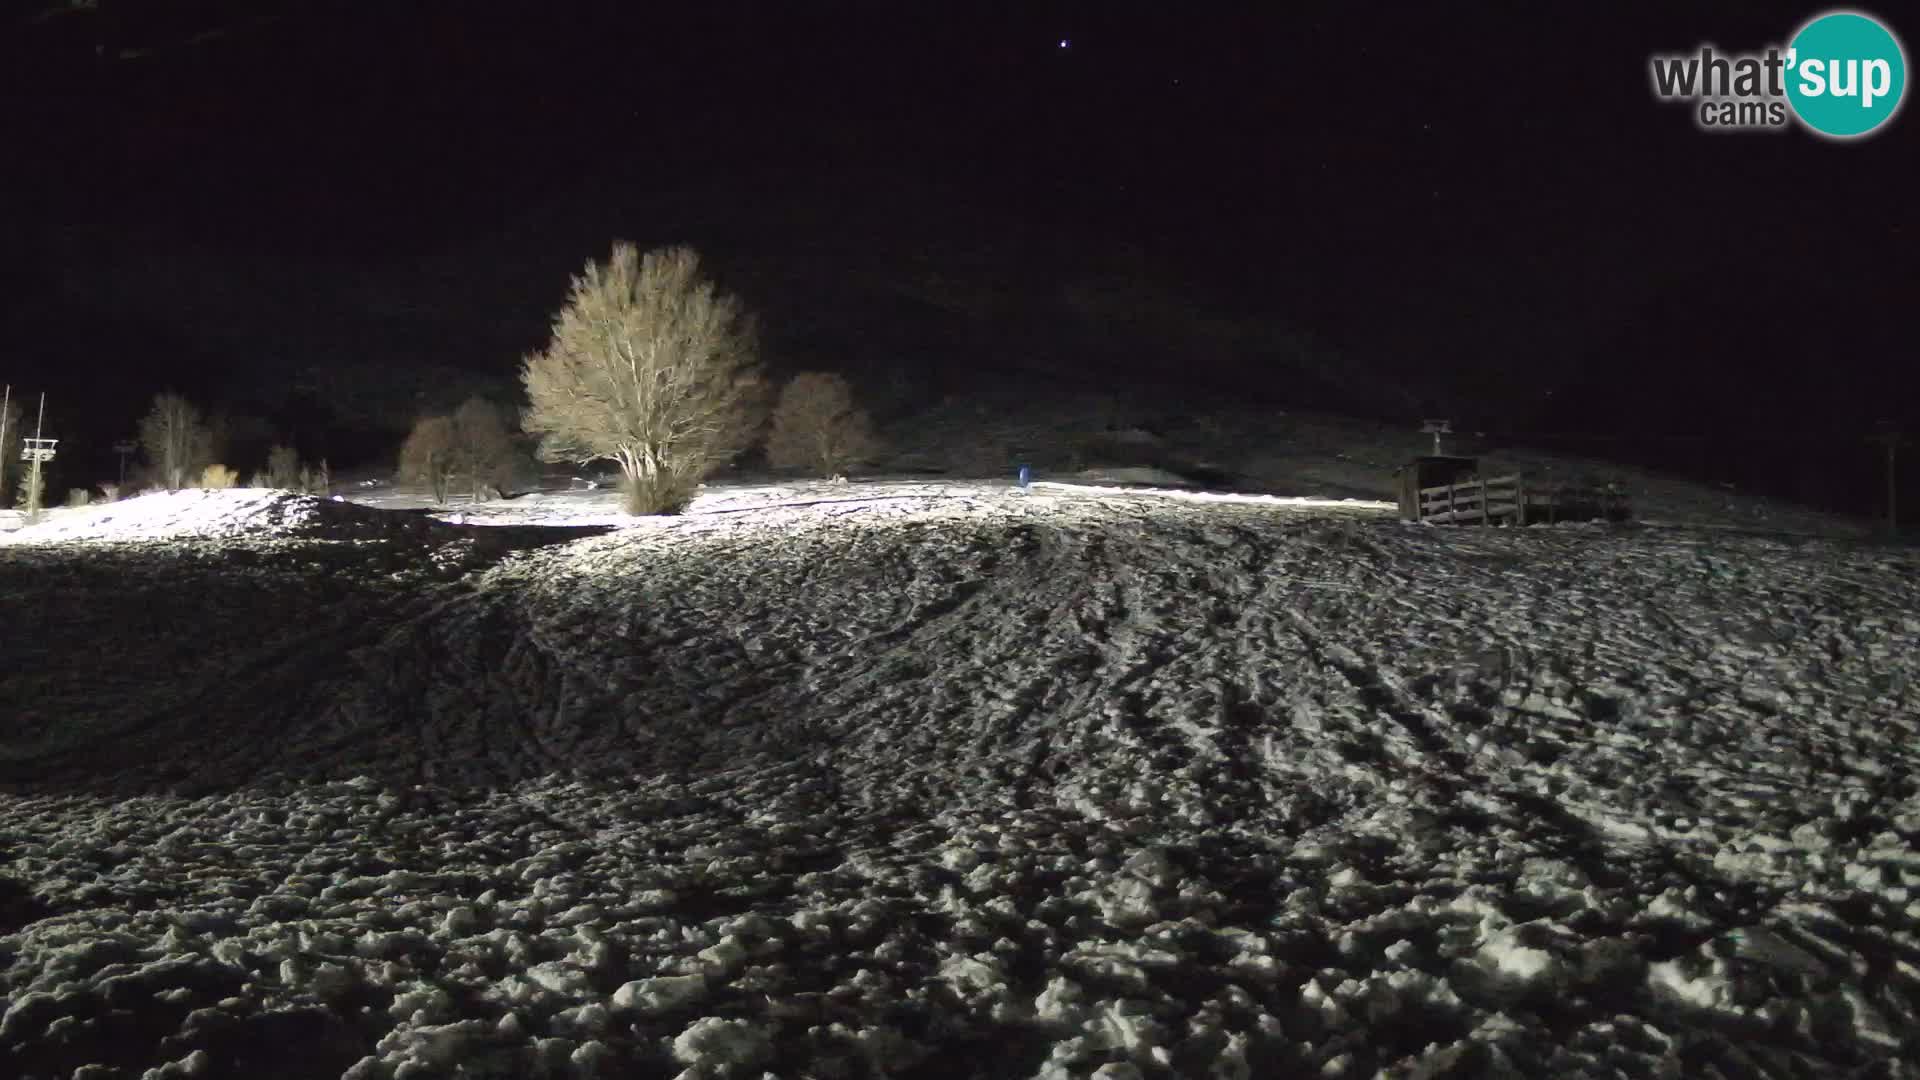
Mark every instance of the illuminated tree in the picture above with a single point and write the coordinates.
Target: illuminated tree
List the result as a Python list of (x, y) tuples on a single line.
[(649, 366)]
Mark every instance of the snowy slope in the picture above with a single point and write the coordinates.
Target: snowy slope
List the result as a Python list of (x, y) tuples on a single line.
[(1078, 436), (948, 780)]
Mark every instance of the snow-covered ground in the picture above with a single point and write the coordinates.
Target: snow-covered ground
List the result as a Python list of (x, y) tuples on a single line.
[(943, 779)]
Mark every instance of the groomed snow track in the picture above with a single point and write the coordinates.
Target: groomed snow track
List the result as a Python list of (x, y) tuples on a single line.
[(983, 784)]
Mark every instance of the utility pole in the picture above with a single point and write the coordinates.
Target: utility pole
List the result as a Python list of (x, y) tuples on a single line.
[(6, 406), (1890, 438), (39, 450)]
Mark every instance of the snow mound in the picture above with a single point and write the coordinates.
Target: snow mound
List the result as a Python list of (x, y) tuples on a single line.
[(260, 513)]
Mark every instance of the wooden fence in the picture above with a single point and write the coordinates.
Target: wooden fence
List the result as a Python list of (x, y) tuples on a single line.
[(1513, 500)]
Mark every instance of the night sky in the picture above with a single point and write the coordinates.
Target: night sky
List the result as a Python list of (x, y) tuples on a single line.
[(1480, 203)]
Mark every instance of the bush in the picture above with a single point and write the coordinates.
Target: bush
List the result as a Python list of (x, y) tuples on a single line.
[(427, 455), (109, 493), (287, 472), (78, 497), (316, 479), (649, 366), (283, 468), (664, 492), (818, 425), (218, 477)]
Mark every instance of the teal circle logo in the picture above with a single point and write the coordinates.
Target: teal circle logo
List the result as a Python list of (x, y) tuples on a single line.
[(1846, 74)]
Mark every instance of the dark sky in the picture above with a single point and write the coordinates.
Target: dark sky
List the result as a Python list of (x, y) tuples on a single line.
[(1485, 191)]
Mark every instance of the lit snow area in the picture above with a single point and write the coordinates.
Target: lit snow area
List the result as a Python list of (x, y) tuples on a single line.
[(948, 780)]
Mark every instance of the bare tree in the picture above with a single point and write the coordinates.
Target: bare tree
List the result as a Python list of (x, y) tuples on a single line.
[(483, 448), (427, 456), (817, 424), (472, 447), (175, 439), (649, 366)]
